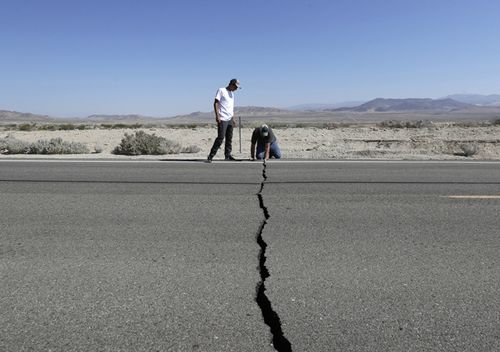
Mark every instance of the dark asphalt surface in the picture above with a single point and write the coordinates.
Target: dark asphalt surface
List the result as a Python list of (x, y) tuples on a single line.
[(161, 256)]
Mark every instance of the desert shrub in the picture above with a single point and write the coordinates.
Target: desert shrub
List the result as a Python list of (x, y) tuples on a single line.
[(61, 127), (138, 144), (47, 127), (98, 149), (10, 145), (469, 149), (124, 125), (391, 124), (170, 147), (496, 122), (67, 127), (117, 126), (471, 124), (142, 143), (190, 149), (185, 125), (418, 124), (26, 127), (9, 127), (331, 125), (57, 146), (405, 124)]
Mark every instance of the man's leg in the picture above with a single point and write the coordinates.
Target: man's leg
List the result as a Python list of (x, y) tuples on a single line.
[(261, 151), (275, 150), (228, 147), (221, 132)]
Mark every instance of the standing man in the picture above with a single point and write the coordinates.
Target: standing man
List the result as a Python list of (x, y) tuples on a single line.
[(267, 145), (224, 112)]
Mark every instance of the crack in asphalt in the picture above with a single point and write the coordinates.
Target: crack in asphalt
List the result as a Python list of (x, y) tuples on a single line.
[(271, 318)]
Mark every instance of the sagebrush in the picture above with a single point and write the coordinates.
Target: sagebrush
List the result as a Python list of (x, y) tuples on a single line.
[(10, 145), (405, 124), (469, 149), (57, 146), (142, 143)]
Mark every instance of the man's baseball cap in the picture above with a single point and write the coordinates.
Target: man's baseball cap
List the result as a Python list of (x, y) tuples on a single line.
[(235, 82), (264, 130)]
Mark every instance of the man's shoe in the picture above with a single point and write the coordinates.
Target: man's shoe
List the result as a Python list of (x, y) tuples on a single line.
[(209, 159), (230, 158)]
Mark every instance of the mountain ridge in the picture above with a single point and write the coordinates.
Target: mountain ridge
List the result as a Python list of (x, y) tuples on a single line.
[(408, 104), (13, 116), (477, 99), (322, 106), (370, 109)]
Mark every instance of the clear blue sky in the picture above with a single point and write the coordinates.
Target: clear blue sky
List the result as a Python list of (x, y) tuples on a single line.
[(161, 58)]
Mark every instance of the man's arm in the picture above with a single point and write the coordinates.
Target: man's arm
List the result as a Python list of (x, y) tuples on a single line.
[(268, 148), (252, 151), (216, 110)]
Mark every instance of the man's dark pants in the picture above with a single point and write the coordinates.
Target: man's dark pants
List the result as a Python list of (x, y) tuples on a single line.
[(224, 130)]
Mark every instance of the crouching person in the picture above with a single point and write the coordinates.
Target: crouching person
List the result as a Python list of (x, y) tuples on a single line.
[(267, 145)]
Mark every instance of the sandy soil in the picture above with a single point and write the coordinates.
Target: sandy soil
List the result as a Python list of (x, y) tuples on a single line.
[(365, 142)]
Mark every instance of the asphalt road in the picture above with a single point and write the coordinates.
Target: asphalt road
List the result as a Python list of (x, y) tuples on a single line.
[(162, 256)]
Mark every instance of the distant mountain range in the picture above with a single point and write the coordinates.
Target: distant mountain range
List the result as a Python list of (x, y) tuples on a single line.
[(21, 117), (128, 117), (15, 116), (476, 99), (412, 104), (480, 105), (258, 110), (406, 104), (319, 107), (249, 111)]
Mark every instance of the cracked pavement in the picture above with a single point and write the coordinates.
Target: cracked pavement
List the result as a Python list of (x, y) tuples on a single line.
[(271, 318), (159, 256)]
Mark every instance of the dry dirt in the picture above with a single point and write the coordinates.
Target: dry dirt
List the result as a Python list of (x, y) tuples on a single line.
[(438, 142)]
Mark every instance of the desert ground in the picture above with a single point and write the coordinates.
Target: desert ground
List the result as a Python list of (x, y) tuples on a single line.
[(440, 141)]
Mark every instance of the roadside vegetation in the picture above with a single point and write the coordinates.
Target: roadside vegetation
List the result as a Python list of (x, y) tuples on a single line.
[(116, 126), (11, 145), (468, 149), (247, 123), (405, 124), (431, 124), (93, 126), (44, 127), (66, 126), (142, 143)]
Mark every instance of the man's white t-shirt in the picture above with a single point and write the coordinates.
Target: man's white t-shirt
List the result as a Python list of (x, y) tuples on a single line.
[(226, 104)]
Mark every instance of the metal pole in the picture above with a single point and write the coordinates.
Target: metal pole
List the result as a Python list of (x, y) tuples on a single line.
[(239, 125)]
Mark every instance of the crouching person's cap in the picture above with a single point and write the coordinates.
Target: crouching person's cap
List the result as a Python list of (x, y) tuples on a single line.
[(264, 130)]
